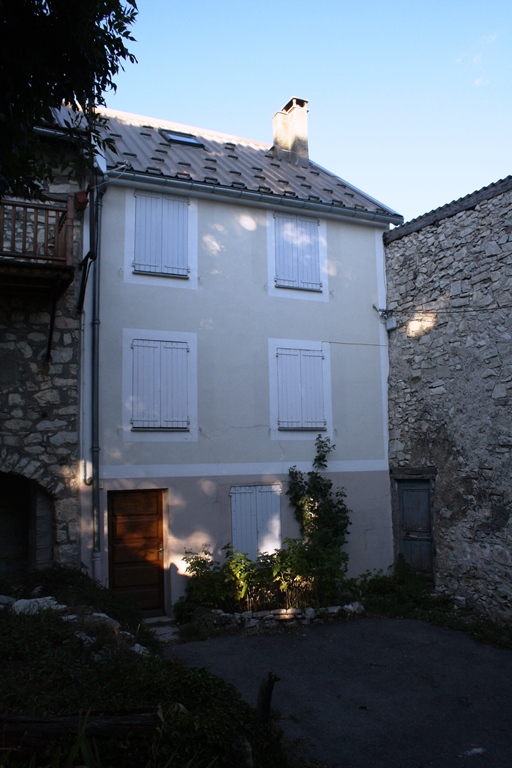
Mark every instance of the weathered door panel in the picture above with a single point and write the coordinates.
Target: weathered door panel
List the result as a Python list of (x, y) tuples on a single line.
[(415, 524), (136, 547)]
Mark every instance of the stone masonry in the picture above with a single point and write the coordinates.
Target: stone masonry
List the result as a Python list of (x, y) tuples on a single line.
[(450, 385), (39, 400)]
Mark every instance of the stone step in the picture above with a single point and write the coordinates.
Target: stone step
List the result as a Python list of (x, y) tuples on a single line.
[(164, 628)]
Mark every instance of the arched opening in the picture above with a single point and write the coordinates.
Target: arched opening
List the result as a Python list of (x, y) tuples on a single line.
[(26, 525)]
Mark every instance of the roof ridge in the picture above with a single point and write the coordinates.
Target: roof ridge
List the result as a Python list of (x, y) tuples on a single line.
[(157, 122), (448, 210)]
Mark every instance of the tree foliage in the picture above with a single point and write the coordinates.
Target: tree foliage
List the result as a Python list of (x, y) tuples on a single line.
[(54, 52)]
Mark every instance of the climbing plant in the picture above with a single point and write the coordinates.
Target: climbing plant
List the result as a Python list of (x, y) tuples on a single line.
[(324, 519)]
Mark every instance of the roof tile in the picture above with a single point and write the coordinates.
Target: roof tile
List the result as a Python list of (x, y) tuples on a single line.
[(138, 138)]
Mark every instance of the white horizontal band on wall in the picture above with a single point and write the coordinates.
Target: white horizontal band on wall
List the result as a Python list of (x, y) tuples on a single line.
[(116, 472)]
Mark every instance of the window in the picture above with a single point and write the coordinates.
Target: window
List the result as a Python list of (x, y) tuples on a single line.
[(160, 385), (161, 235), (256, 518), (178, 137), (300, 388), (297, 260)]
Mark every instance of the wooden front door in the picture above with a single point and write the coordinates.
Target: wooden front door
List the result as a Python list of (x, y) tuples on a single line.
[(136, 548), (415, 524)]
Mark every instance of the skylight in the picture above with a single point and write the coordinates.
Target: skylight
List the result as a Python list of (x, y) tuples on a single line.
[(176, 137)]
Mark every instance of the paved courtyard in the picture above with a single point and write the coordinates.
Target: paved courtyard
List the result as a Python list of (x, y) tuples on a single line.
[(375, 693)]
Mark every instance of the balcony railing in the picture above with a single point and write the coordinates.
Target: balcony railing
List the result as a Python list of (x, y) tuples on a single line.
[(35, 233)]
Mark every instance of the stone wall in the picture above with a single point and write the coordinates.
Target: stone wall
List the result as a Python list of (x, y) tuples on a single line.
[(450, 387), (39, 402)]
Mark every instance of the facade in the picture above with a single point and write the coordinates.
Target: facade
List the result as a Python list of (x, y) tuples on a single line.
[(40, 248), (238, 285), (449, 279)]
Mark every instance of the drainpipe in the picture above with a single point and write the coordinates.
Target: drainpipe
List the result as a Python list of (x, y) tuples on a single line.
[(96, 204)]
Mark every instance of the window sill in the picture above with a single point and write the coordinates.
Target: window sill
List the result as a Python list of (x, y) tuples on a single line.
[(302, 429), (161, 429), (299, 288), (160, 274)]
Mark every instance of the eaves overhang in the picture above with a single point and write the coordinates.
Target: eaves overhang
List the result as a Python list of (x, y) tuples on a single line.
[(249, 197)]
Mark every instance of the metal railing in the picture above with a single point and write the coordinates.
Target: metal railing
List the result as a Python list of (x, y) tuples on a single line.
[(34, 232)]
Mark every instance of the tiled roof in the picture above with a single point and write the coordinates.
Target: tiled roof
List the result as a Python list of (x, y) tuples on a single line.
[(229, 166), (450, 209)]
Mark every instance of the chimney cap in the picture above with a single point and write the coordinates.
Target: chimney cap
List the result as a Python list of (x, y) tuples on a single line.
[(294, 102)]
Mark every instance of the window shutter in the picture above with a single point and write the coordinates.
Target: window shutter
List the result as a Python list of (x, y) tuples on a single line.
[(308, 255), (243, 516), (268, 517), (297, 253), (289, 388), (286, 256), (146, 384), (174, 237), (174, 388), (313, 414), (148, 233), (256, 518), (300, 389)]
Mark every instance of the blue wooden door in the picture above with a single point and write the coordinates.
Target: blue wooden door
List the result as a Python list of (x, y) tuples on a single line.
[(415, 524)]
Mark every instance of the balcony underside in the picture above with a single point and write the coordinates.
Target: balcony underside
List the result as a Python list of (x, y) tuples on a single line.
[(19, 277)]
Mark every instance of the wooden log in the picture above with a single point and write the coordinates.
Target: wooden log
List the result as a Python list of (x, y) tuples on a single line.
[(38, 731), (264, 702)]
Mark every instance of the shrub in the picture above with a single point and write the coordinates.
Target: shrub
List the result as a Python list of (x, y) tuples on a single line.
[(306, 571), (324, 519), (49, 671)]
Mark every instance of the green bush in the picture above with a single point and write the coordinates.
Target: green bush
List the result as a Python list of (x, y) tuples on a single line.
[(305, 571)]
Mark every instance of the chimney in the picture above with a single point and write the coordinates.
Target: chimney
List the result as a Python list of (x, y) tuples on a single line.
[(290, 126)]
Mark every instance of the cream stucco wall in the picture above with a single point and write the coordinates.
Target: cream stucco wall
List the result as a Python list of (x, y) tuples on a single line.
[(232, 314)]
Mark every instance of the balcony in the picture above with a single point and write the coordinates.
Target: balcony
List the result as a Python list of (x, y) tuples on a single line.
[(36, 247)]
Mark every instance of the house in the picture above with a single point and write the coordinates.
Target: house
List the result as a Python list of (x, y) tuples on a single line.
[(449, 276), (238, 284), (40, 350)]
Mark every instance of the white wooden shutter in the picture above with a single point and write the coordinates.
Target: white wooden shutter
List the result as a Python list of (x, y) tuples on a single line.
[(243, 520), (174, 387), (286, 255), (297, 253), (148, 233), (160, 384), (256, 518), (146, 384), (268, 517), (289, 392), (161, 235), (175, 237), (312, 385), (300, 389), (308, 254)]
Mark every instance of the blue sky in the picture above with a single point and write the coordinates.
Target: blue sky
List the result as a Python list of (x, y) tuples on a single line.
[(410, 100)]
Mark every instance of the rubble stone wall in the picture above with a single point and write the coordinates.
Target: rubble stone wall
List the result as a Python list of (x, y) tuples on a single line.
[(39, 400), (450, 390)]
